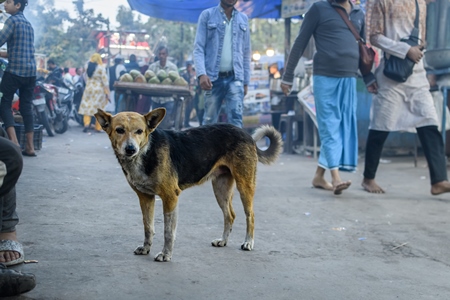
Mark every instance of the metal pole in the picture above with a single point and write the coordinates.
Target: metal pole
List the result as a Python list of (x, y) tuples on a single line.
[(444, 109), (287, 39)]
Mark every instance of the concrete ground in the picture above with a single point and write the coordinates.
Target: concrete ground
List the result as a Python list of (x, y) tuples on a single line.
[(81, 221)]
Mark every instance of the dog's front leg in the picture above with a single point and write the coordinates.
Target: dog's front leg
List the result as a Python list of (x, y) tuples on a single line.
[(147, 203), (170, 228)]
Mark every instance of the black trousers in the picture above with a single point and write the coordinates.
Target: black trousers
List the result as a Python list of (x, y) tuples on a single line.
[(10, 84), (432, 145)]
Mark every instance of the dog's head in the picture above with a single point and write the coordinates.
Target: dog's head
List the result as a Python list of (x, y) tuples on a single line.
[(129, 131)]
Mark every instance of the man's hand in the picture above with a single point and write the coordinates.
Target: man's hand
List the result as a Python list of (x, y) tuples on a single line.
[(373, 88), (205, 83), (245, 90), (415, 53), (286, 88)]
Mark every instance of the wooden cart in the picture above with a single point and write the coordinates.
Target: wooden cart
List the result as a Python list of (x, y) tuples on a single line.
[(132, 90)]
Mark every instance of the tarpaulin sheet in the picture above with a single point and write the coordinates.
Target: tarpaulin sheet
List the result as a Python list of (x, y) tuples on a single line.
[(189, 10)]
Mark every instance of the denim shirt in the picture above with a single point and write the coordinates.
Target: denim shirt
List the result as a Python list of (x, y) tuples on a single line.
[(209, 42)]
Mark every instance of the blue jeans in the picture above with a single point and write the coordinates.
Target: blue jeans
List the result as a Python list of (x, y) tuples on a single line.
[(232, 92)]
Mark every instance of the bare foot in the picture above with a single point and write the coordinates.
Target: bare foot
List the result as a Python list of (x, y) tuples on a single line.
[(371, 186), (440, 188), (339, 187), (320, 183), (6, 256)]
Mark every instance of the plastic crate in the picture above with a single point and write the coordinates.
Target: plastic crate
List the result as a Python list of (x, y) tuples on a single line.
[(21, 137)]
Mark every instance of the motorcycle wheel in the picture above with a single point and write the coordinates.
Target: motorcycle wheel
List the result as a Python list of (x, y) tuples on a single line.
[(61, 126), (42, 116), (78, 118)]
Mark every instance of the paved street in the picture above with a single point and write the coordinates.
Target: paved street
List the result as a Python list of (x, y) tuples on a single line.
[(81, 221)]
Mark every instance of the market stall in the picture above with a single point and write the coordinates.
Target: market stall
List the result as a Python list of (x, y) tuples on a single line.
[(131, 91)]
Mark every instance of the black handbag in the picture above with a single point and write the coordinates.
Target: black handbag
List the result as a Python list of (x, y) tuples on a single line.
[(399, 69)]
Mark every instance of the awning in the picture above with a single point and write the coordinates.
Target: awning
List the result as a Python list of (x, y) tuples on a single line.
[(190, 10)]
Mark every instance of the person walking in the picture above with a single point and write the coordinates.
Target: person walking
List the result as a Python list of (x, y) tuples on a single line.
[(402, 106), (133, 64), (20, 74), (167, 102), (190, 76), (96, 94), (115, 71), (222, 60), (335, 68)]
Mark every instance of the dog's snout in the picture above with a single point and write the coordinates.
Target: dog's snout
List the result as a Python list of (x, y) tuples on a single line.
[(130, 150)]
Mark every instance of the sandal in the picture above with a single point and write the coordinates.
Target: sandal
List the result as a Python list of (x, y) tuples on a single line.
[(9, 245), (14, 283)]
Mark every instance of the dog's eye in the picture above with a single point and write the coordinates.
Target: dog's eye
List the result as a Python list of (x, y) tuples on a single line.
[(120, 130), (139, 131)]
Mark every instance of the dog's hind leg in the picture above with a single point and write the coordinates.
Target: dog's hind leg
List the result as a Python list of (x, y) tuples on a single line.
[(223, 190), (147, 203), (170, 209), (246, 187)]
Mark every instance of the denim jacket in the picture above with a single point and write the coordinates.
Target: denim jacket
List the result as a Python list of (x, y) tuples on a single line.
[(209, 43)]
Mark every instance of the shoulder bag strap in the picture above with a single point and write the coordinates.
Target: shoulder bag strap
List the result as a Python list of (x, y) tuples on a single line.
[(345, 17), (416, 20)]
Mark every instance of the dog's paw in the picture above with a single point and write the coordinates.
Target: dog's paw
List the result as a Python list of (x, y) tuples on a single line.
[(247, 246), (219, 243), (163, 257), (142, 250)]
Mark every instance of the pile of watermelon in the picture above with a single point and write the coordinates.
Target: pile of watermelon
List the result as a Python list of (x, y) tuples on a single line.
[(161, 77)]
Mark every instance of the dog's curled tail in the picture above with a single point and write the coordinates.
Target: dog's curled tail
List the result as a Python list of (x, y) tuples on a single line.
[(271, 154)]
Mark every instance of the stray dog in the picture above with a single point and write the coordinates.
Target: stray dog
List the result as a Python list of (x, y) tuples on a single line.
[(165, 162)]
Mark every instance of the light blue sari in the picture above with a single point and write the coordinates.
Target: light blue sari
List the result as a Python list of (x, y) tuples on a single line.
[(335, 100)]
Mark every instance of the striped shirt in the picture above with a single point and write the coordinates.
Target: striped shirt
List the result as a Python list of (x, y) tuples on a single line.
[(19, 35)]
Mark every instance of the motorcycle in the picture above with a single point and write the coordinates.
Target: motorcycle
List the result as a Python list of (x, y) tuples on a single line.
[(43, 95), (78, 95), (59, 102)]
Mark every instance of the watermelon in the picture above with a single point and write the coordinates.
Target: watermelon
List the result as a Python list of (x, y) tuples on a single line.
[(161, 75), (180, 81), (166, 81), (149, 74), (140, 78), (153, 80), (173, 75), (135, 73), (126, 78)]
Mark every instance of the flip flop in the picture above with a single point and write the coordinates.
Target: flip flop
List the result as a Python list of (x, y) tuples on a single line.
[(14, 283), (9, 245), (24, 153)]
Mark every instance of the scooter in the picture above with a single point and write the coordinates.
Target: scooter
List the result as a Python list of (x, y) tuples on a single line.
[(78, 95), (59, 103), (43, 94)]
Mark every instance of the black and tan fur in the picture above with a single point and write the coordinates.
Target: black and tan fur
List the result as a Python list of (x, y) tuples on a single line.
[(165, 162)]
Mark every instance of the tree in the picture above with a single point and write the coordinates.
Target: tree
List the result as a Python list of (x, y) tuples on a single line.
[(81, 43), (47, 25), (69, 41)]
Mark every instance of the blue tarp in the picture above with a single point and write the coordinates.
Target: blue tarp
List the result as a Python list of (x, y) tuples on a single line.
[(189, 10)]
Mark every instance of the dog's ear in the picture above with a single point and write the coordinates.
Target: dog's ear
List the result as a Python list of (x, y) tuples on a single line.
[(155, 117), (103, 118)]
